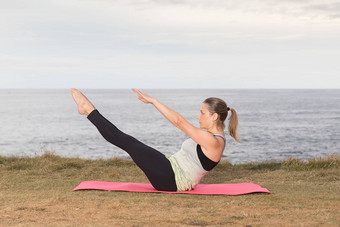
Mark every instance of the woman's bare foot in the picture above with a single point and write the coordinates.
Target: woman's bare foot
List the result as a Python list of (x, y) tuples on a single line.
[(85, 107)]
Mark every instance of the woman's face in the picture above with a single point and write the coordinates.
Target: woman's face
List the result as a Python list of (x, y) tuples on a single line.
[(205, 118)]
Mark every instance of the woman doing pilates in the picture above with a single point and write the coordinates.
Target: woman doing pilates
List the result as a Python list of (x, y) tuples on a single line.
[(198, 155)]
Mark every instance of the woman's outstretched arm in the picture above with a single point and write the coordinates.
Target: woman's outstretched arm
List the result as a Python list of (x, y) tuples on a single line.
[(172, 116), (202, 137)]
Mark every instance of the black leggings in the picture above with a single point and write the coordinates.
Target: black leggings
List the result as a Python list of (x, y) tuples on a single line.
[(154, 164)]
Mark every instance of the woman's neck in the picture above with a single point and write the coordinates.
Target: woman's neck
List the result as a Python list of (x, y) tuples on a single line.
[(216, 130)]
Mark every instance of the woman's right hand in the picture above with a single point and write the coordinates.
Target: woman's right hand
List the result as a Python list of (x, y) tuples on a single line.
[(143, 96)]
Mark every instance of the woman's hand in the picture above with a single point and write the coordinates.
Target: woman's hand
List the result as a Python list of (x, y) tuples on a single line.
[(143, 97)]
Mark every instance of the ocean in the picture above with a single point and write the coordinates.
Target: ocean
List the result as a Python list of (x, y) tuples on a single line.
[(273, 124)]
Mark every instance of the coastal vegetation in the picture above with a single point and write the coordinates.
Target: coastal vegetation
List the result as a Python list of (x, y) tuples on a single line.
[(37, 191)]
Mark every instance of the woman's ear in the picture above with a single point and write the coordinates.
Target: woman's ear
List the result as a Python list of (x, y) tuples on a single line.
[(215, 117)]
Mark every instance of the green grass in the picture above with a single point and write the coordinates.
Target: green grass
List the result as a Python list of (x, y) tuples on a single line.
[(38, 192)]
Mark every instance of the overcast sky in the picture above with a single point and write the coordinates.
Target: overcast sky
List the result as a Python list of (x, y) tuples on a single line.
[(170, 43)]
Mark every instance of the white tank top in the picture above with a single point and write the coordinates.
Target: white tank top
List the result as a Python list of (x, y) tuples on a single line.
[(187, 166)]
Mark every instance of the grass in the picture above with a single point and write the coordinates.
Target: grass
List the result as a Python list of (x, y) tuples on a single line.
[(38, 192)]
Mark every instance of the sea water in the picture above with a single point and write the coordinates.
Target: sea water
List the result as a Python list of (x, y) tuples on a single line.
[(273, 124)]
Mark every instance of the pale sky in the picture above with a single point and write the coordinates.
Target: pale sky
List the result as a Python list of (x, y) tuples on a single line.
[(170, 44)]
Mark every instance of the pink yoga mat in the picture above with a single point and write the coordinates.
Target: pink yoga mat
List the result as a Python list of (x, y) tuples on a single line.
[(202, 189)]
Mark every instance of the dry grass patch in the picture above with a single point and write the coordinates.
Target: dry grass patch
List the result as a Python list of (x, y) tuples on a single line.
[(38, 192)]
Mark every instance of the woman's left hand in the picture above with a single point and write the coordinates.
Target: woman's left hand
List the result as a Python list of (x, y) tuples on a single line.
[(143, 97)]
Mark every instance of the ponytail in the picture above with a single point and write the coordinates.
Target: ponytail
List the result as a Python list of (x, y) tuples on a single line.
[(233, 125)]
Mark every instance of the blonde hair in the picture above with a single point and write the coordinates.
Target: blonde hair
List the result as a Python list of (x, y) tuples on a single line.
[(219, 106)]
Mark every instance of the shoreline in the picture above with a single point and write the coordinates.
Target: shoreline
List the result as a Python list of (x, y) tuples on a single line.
[(328, 161)]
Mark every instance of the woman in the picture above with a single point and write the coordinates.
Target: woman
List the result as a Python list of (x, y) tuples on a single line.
[(198, 155)]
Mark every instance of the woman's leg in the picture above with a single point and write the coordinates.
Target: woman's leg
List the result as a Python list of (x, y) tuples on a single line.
[(154, 164)]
